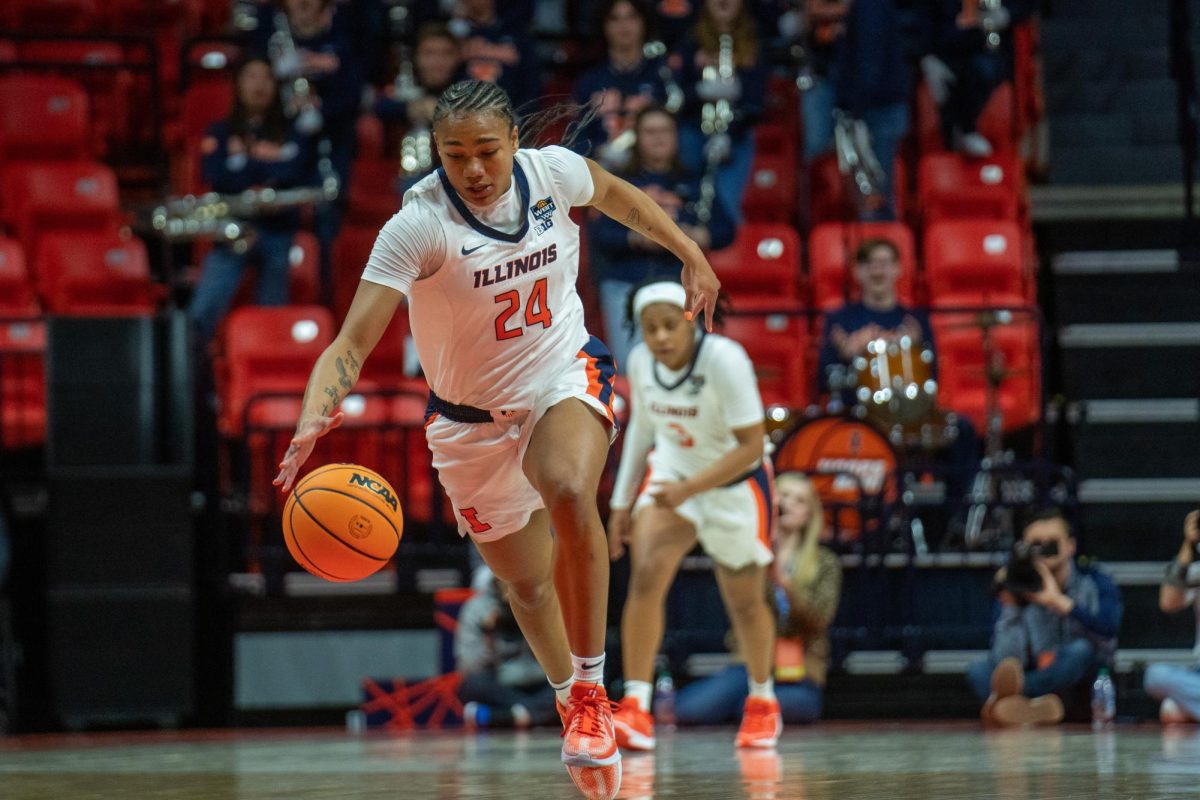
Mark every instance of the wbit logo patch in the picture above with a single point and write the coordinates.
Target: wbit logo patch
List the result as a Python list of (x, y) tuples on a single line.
[(543, 212), (375, 486)]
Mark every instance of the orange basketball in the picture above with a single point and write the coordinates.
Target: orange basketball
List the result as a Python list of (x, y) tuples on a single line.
[(342, 522)]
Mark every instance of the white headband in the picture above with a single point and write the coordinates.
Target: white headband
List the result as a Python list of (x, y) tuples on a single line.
[(661, 292)]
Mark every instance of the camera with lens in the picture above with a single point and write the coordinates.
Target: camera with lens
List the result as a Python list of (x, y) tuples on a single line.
[(1021, 577)]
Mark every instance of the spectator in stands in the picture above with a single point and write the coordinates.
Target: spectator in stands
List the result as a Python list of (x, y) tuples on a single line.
[(622, 86), (328, 58), (1047, 644), (620, 258), (880, 315), (502, 684), (1179, 687), (807, 581), (745, 97), (436, 64), (256, 146), (972, 55), (859, 68), (496, 49)]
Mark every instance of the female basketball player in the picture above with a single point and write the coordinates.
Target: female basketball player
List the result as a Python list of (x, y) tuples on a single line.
[(696, 403), (519, 417)]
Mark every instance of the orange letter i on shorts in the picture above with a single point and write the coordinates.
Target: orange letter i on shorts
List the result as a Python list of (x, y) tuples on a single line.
[(472, 519)]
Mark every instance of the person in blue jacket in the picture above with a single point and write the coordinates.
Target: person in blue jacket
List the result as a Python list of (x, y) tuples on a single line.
[(256, 146), (622, 86), (496, 50), (699, 49), (620, 258)]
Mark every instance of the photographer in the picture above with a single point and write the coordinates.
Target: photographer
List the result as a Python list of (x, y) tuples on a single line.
[(1179, 687), (502, 684), (1058, 624)]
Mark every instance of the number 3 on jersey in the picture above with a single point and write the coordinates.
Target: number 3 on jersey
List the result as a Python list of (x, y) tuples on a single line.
[(537, 312)]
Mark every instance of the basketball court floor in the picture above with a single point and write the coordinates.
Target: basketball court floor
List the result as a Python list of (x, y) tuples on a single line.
[(828, 762)]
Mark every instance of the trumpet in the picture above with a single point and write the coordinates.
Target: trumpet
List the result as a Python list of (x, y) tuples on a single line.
[(719, 87), (295, 88), (416, 148)]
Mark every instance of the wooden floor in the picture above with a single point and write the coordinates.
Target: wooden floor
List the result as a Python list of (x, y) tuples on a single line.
[(827, 762)]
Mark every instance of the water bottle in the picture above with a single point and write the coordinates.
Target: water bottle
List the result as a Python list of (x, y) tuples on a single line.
[(1104, 700), (664, 700)]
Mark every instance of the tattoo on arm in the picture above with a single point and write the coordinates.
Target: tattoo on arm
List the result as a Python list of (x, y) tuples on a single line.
[(354, 365), (343, 377), (334, 397), (633, 219)]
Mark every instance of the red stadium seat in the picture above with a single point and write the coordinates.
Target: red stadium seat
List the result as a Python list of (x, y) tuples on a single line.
[(42, 117), (831, 248), (53, 16), (22, 383), (998, 120), (961, 382), (204, 103), (268, 350), (771, 190), (94, 274), (951, 186), (110, 91), (778, 345), (373, 198), (926, 126), (350, 253), (764, 259), (974, 263), (828, 191), (54, 196), (304, 274), (17, 297), (8, 52)]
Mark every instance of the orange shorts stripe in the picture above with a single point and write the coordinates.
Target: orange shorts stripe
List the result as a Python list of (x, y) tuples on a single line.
[(764, 514), (595, 385), (429, 421)]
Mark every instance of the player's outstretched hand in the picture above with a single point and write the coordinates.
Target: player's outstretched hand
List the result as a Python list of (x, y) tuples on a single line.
[(307, 433), (618, 532), (702, 287)]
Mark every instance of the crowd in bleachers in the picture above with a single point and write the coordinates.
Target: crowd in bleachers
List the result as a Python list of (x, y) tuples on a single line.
[(735, 113)]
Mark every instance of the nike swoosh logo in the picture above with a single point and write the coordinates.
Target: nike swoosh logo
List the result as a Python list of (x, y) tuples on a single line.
[(467, 252), (589, 666)]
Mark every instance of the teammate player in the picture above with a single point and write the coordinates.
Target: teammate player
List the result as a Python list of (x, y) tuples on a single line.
[(696, 403), (519, 418)]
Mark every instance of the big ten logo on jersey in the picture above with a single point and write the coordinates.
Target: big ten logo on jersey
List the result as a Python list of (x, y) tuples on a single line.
[(543, 215), (376, 487)]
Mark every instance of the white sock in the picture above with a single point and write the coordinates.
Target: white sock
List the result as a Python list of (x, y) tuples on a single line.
[(562, 690), (640, 691), (588, 669), (765, 690)]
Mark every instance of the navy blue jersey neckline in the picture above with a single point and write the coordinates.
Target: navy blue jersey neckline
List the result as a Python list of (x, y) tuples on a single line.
[(487, 230), (691, 367)]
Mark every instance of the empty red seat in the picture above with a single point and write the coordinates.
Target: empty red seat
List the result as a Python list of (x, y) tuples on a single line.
[(94, 274), (831, 249), (952, 186), (42, 117), (350, 253), (974, 263), (778, 344), (52, 196), (962, 385), (764, 259), (17, 296), (54, 16), (771, 190), (269, 350), (22, 383), (8, 52), (373, 198), (998, 121)]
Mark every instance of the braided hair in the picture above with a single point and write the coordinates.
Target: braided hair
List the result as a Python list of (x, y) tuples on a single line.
[(482, 97)]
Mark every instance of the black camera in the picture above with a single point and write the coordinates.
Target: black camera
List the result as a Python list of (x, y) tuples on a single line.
[(1021, 578)]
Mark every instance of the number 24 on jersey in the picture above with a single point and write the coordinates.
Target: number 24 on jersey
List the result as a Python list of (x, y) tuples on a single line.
[(537, 311)]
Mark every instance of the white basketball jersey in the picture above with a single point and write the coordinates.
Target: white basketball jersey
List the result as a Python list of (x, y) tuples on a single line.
[(502, 311), (694, 411)]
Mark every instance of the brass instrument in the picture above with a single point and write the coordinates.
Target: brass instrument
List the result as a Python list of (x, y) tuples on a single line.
[(416, 148), (294, 87), (228, 217), (856, 158), (718, 87)]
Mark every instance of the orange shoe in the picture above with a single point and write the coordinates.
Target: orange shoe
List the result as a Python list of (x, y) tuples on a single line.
[(562, 712), (597, 783), (761, 723), (635, 727), (589, 739)]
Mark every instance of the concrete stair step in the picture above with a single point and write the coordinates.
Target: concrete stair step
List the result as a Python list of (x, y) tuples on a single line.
[(1129, 165)]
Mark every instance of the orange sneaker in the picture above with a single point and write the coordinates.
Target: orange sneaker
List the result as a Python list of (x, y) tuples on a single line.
[(635, 727), (589, 739), (597, 783), (562, 712), (761, 723)]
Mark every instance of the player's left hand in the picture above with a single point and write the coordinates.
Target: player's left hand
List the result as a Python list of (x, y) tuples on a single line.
[(671, 494), (702, 287)]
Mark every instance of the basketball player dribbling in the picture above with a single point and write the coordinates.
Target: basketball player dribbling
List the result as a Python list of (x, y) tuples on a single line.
[(519, 418), (695, 444)]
